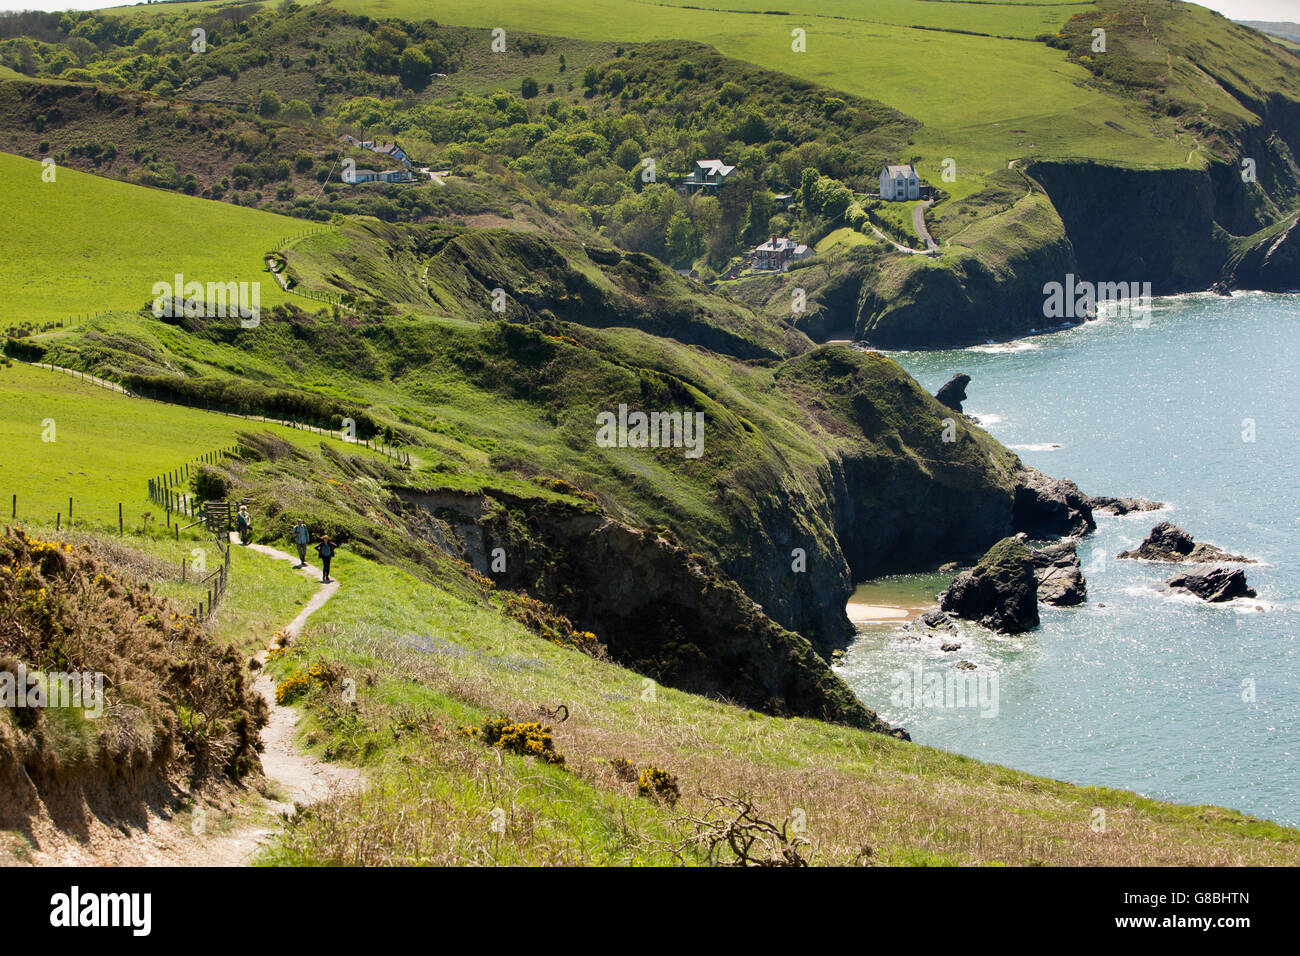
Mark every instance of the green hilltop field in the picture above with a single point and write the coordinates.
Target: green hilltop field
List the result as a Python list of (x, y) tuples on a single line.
[(970, 73), (91, 245)]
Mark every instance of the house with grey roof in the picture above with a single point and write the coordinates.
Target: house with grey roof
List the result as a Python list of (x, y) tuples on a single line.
[(899, 183)]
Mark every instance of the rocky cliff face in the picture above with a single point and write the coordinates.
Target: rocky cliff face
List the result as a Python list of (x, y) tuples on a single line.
[(1181, 230), (658, 609), (905, 484), (1270, 263), (1132, 225), (961, 299)]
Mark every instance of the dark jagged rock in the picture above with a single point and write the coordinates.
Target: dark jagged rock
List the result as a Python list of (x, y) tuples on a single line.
[(655, 607), (1123, 506), (953, 393), (1046, 507), (1000, 592), (965, 666), (938, 620), (1060, 578), (1213, 584), (949, 646), (1168, 542)]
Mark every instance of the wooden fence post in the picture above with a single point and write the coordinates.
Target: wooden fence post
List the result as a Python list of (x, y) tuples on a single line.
[(120, 531)]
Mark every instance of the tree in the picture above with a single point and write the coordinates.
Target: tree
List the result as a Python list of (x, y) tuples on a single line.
[(731, 93), (752, 128), (830, 197), (628, 155), (760, 216), (681, 241), (615, 82), (297, 109), (528, 89), (439, 61), (413, 68), (807, 182), (590, 78), (268, 103)]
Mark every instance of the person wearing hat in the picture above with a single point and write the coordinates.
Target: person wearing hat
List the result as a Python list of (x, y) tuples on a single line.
[(244, 523)]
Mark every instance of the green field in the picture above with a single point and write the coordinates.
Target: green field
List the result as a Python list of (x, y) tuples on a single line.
[(105, 446), (91, 244), (985, 96), (982, 99)]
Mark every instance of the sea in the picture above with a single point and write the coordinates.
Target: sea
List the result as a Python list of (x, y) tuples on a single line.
[(1140, 688)]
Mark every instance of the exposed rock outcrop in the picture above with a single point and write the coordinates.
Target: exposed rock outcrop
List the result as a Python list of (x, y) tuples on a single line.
[(658, 609), (1060, 578), (1213, 584), (1123, 506), (953, 392), (1168, 542), (939, 621), (1000, 592), (1046, 507)]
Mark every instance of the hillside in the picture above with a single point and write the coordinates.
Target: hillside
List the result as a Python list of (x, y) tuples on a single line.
[(434, 651), (617, 629), (1288, 32), (553, 135)]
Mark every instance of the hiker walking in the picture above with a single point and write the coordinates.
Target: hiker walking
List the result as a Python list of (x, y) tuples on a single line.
[(326, 551), (244, 523), (300, 538)]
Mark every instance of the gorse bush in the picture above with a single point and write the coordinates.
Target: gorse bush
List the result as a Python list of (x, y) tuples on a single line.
[(302, 680), (172, 703), (658, 784), (532, 739)]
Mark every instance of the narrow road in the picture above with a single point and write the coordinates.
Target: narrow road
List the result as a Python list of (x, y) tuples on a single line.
[(918, 223), (305, 779), (899, 246)]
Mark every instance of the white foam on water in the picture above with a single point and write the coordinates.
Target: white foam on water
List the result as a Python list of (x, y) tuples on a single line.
[(1039, 446)]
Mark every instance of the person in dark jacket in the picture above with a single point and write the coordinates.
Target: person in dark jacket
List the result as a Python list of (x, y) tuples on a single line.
[(326, 551), (301, 537), (244, 524)]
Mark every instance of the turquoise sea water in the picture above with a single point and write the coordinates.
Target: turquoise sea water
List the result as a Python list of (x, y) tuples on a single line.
[(1151, 692)]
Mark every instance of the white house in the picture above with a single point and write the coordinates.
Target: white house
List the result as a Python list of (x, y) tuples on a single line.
[(899, 183), (380, 176), (776, 254), (707, 173)]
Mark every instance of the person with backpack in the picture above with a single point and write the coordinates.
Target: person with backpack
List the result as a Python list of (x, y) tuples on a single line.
[(244, 523), (326, 551), (300, 537)]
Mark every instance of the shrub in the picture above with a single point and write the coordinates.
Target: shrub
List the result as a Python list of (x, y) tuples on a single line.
[(302, 680), (209, 484), (532, 739), (172, 698), (658, 784)]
